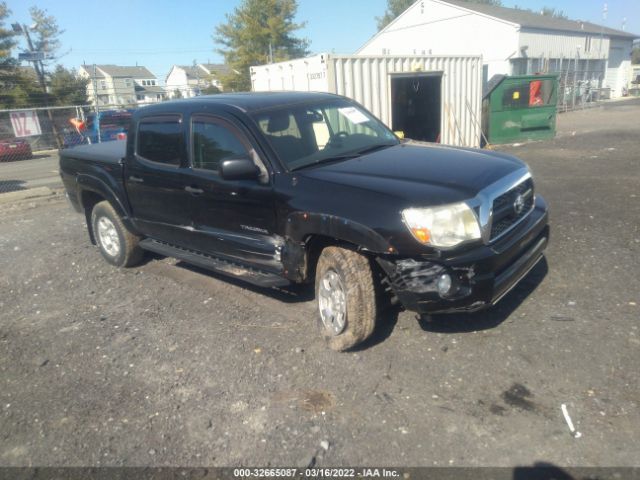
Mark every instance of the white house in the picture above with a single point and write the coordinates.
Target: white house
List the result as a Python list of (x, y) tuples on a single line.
[(511, 41), (189, 81), (215, 70), (113, 85)]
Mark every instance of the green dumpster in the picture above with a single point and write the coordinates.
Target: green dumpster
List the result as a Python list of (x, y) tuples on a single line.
[(520, 108)]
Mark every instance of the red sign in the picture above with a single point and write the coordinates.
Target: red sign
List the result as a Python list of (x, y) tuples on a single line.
[(25, 123)]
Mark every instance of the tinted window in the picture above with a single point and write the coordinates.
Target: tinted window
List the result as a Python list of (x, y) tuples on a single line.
[(213, 143), (160, 140)]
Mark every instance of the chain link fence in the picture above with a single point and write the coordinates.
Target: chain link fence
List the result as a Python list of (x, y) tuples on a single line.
[(580, 81), (36, 134), (579, 89)]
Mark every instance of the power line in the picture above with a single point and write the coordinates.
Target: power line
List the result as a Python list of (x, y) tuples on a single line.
[(142, 52)]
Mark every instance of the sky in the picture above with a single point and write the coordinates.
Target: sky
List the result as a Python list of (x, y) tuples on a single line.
[(160, 33)]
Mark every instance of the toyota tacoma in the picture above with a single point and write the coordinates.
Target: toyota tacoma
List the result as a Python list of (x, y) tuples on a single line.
[(291, 187)]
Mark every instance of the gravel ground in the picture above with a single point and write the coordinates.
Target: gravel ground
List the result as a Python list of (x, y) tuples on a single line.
[(166, 364)]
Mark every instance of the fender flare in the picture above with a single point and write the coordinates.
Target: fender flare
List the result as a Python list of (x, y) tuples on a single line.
[(301, 225), (89, 183)]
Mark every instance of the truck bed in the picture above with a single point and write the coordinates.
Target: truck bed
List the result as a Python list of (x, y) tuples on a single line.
[(94, 168), (110, 152)]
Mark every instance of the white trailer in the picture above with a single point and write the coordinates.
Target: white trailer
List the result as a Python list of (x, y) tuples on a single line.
[(430, 98)]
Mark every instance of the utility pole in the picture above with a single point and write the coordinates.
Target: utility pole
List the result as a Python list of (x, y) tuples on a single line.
[(94, 81), (600, 57), (38, 66), (195, 69)]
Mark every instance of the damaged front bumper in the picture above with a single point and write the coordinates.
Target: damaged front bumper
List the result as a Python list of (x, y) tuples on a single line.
[(480, 277)]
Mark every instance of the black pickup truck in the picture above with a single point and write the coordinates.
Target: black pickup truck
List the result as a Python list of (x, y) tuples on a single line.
[(280, 188)]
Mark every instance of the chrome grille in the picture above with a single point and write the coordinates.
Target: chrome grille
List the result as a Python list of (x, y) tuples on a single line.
[(505, 215)]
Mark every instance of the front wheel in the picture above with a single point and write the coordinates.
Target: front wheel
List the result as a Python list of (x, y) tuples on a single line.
[(346, 296), (117, 244)]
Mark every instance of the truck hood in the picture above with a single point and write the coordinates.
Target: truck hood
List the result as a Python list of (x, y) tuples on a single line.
[(420, 173)]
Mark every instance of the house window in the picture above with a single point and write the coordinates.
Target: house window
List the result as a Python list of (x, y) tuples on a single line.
[(103, 85), (140, 97), (127, 82), (587, 44)]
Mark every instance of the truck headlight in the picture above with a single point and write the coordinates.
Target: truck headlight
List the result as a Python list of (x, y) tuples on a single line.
[(444, 226)]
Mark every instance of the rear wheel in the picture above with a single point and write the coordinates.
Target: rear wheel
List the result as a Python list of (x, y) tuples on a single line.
[(346, 297), (117, 244)]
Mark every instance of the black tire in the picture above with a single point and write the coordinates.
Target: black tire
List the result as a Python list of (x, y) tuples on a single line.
[(128, 253), (357, 280)]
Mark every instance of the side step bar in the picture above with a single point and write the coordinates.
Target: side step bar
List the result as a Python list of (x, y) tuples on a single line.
[(250, 275)]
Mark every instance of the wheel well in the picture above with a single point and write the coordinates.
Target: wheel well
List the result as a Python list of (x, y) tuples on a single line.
[(316, 243), (89, 200)]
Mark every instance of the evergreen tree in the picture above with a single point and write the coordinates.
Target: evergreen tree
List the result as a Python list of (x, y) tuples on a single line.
[(67, 88), (394, 9), (7, 39), (257, 32), (46, 34)]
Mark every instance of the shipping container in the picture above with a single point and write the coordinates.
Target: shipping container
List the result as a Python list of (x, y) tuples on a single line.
[(429, 98)]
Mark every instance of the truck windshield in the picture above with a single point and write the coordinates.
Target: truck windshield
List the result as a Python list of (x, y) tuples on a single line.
[(306, 135)]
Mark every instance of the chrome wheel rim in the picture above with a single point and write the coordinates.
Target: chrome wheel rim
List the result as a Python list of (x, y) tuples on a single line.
[(332, 302), (108, 236)]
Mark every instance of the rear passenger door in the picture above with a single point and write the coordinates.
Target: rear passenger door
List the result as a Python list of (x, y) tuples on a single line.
[(231, 218), (156, 176)]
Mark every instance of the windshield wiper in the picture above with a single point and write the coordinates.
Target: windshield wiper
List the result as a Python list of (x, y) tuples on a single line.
[(373, 148), (334, 158), (346, 156)]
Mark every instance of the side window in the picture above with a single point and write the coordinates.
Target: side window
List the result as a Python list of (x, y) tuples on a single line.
[(213, 143), (161, 140)]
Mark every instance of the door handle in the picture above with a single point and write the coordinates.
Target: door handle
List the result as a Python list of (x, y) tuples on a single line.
[(135, 179), (194, 190)]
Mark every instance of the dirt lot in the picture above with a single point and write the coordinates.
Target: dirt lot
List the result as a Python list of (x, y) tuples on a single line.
[(168, 365)]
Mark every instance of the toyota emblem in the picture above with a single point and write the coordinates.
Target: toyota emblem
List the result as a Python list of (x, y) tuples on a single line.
[(518, 204)]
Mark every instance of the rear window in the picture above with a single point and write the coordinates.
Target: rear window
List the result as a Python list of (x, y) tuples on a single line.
[(161, 139)]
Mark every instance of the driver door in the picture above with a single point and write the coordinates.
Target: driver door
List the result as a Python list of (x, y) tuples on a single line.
[(230, 218)]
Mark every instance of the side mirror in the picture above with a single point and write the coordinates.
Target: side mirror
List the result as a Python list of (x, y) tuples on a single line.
[(239, 169)]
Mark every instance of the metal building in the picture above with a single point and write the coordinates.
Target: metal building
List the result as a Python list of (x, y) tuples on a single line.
[(511, 42), (429, 98)]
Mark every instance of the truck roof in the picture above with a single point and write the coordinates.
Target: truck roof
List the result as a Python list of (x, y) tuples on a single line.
[(252, 101)]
